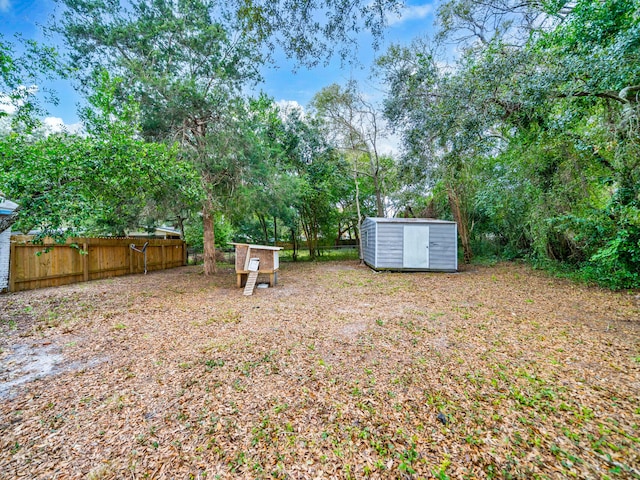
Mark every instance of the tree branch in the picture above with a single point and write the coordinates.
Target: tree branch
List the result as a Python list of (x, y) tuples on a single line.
[(624, 93), (611, 95)]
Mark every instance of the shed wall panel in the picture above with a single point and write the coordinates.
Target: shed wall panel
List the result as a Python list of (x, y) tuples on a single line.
[(368, 232), (390, 239), (443, 247)]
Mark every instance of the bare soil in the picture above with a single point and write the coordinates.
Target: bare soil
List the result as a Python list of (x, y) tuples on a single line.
[(338, 372)]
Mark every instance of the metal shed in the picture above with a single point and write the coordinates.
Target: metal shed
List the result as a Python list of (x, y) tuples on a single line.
[(6, 208), (410, 244)]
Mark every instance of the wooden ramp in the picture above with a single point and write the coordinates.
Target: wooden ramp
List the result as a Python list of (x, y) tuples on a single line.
[(251, 283), (253, 266)]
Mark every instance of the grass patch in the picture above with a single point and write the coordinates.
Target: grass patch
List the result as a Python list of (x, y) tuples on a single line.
[(326, 255)]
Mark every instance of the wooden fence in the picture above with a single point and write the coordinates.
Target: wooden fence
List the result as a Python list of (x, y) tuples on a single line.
[(89, 259)]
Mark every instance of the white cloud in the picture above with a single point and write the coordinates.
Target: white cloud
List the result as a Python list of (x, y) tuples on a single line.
[(390, 145), (411, 12), (287, 107), (57, 125), (5, 5), (9, 104), (6, 105)]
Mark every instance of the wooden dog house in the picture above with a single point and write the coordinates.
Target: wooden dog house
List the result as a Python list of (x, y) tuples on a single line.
[(267, 255)]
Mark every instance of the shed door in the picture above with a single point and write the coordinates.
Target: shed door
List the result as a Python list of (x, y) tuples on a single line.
[(416, 246)]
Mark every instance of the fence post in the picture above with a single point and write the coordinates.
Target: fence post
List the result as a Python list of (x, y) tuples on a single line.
[(12, 267), (130, 260), (85, 261), (164, 257), (184, 253)]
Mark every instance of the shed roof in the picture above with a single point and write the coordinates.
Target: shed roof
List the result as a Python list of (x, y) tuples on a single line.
[(263, 247), (408, 220), (165, 229), (161, 230), (7, 206)]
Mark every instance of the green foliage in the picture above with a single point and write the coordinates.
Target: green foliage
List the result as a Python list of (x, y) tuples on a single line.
[(68, 184), (181, 61), (326, 255), (354, 125), (185, 64), (95, 184), (612, 239), (23, 64), (193, 233), (323, 182), (312, 32), (535, 131)]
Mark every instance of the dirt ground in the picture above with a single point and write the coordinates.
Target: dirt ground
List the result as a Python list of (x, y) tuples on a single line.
[(338, 372)]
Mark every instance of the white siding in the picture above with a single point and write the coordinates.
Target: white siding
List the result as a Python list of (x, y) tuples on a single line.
[(5, 248)]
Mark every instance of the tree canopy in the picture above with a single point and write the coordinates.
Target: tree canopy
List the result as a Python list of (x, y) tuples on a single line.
[(533, 131), (24, 64), (98, 183)]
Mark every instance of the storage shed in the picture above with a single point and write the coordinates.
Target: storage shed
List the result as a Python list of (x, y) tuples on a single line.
[(6, 208), (410, 244)]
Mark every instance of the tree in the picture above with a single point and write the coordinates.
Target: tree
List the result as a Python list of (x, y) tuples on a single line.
[(318, 177), (312, 31), (98, 183), (356, 126), (268, 195), (185, 65), (20, 75), (67, 184), (185, 61), (538, 122), (595, 68), (446, 122)]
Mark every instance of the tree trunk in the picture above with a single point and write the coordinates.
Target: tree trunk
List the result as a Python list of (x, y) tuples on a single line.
[(311, 228), (374, 168), (306, 227), (263, 225), (275, 231), (294, 242), (209, 238), (315, 240), (460, 217), (180, 221), (360, 252), (379, 202)]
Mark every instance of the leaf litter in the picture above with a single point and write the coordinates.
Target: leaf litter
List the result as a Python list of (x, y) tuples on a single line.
[(338, 372)]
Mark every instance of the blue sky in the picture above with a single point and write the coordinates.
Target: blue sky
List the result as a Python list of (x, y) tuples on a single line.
[(27, 17)]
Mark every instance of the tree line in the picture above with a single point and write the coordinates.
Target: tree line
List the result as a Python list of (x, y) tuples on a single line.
[(530, 139), (519, 120)]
